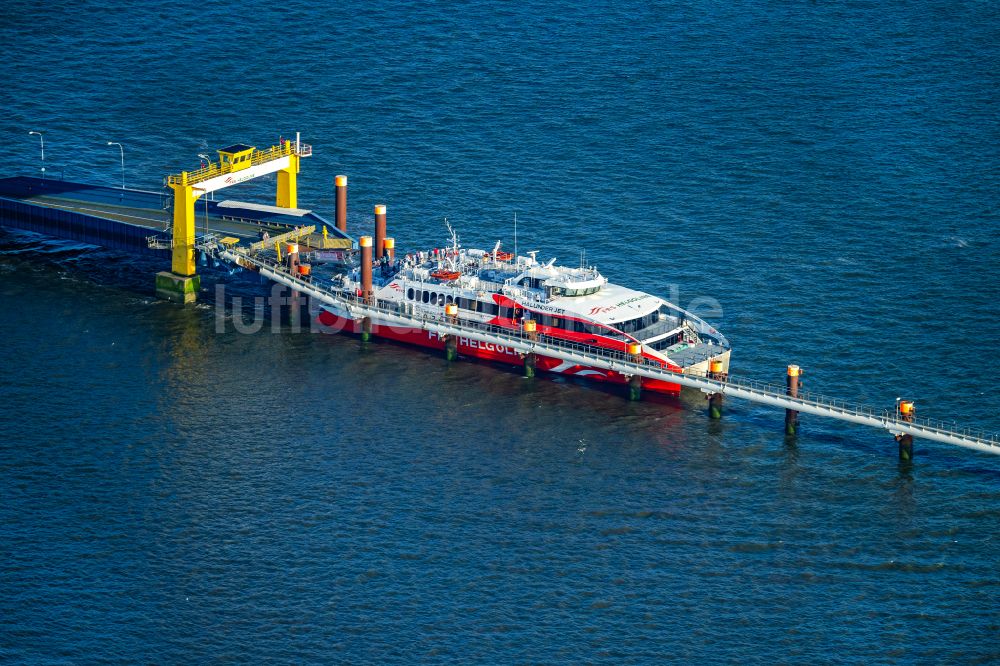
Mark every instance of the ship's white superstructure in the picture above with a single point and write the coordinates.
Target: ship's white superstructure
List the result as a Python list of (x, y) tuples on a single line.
[(575, 304)]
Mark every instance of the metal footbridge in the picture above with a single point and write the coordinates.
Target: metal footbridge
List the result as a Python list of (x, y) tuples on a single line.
[(621, 362)]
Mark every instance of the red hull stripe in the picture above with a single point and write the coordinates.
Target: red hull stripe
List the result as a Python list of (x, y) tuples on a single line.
[(491, 352)]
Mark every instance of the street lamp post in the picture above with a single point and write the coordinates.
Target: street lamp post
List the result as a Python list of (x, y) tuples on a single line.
[(122, 151), (42, 139), (208, 162)]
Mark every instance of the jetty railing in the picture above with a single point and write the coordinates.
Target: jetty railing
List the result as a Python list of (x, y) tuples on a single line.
[(622, 362)]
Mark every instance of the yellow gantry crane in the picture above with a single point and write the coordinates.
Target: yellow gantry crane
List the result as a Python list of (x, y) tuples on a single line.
[(237, 164)]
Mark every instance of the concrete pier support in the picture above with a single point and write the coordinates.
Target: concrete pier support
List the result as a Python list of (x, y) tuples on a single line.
[(634, 350), (451, 347), (634, 387), (905, 442), (792, 390), (715, 399), (366, 329), (177, 288), (530, 363), (530, 328), (906, 410), (715, 406), (294, 310)]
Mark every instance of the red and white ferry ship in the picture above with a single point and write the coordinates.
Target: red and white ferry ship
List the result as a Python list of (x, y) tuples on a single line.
[(576, 305)]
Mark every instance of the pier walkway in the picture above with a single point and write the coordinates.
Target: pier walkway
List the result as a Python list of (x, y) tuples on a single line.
[(735, 387), (125, 220)]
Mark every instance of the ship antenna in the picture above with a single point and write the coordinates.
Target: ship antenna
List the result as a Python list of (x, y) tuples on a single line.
[(454, 236), (515, 235)]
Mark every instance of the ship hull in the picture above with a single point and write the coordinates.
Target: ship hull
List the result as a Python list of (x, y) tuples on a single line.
[(488, 351)]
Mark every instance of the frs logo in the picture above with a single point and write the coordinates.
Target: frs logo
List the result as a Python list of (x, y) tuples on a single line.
[(395, 285), (594, 311)]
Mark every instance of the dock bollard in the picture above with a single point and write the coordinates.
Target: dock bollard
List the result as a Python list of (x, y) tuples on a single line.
[(792, 391), (634, 350), (379, 231), (340, 209), (366, 268), (530, 360), (715, 399), (907, 410), (390, 250), (366, 284), (451, 341)]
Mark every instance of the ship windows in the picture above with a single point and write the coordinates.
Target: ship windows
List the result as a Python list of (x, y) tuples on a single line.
[(427, 297), (637, 324), (449, 299), (660, 345), (566, 291), (409, 294), (532, 283)]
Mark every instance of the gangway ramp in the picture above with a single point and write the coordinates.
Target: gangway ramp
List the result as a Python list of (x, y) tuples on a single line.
[(734, 387)]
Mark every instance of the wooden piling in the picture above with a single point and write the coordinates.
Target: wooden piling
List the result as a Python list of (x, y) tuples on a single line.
[(367, 292), (792, 391), (390, 250), (340, 208), (379, 231)]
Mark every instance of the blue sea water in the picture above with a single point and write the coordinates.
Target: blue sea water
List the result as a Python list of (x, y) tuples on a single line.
[(819, 179)]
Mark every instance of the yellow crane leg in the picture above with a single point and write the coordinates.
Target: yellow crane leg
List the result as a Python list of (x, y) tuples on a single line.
[(181, 284), (287, 187), (184, 221)]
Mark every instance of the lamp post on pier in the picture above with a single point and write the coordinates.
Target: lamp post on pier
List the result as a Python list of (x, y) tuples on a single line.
[(42, 140), (208, 162), (122, 151)]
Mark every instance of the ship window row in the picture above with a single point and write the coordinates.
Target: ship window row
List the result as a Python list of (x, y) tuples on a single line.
[(565, 291), (437, 298), (639, 323), (492, 309), (669, 341)]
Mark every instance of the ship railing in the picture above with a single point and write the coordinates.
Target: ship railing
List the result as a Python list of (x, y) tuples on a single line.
[(626, 364), (159, 243), (214, 169), (626, 361)]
